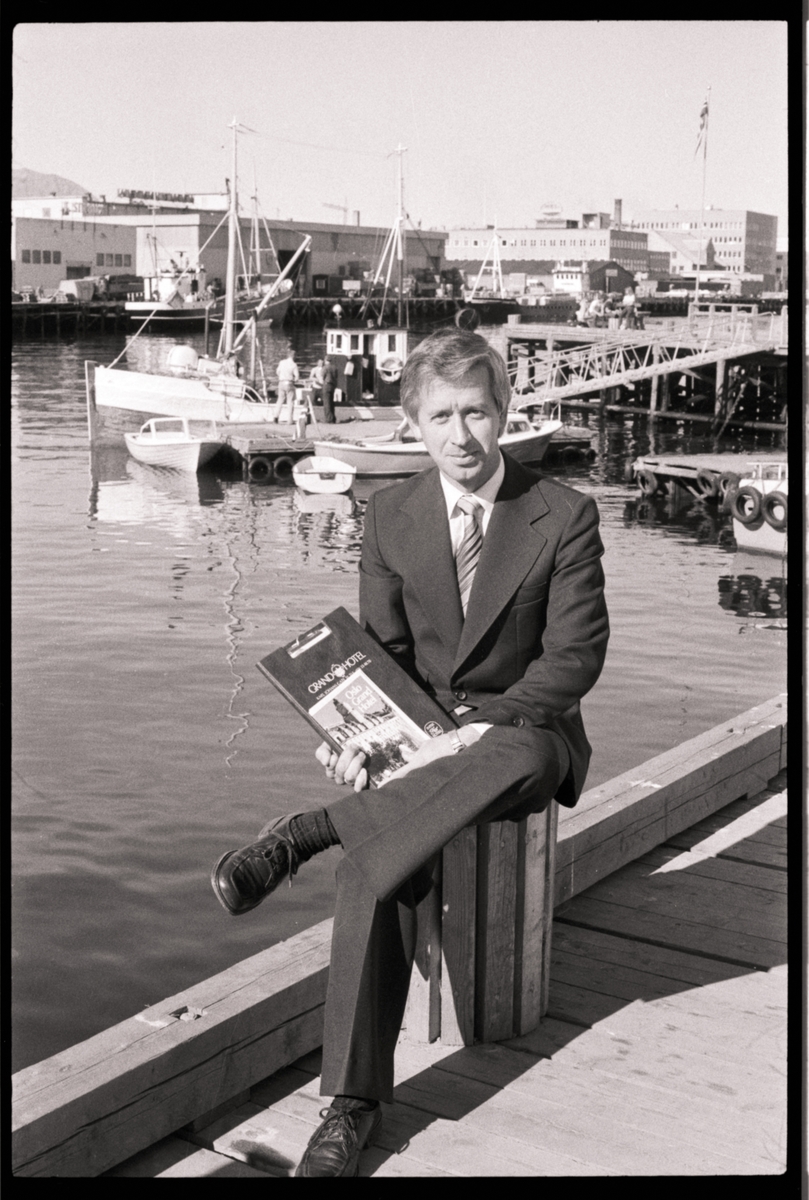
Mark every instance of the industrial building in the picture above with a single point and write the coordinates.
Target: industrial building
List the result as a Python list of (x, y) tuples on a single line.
[(56, 238), (743, 242)]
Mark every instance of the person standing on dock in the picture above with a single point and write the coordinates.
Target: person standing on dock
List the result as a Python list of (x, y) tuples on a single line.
[(288, 375), (316, 381), (329, 383), (483, 579)]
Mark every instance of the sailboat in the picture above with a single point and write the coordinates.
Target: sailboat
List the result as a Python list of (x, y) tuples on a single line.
[(192, 385), (492, 305), (250, 286)]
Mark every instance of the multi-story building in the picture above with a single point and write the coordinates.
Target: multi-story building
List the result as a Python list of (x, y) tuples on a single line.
[(743, 242), (56, 238), (782, 265)]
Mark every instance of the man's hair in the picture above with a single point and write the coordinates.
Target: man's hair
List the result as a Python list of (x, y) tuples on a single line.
[(449, 355)]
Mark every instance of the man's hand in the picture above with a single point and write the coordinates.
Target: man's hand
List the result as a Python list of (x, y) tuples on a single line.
[(433, 749), (347, 767)]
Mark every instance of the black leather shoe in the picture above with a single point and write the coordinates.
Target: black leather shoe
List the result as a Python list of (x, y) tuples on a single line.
[(334, 1148), (242, 878)]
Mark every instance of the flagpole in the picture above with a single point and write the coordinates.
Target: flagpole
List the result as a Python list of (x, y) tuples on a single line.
[(702, 211)]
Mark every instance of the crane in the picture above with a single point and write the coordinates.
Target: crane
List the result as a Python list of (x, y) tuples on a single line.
[(343, 208)]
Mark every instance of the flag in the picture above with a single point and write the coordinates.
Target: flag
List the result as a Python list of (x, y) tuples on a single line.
[(703, 126)]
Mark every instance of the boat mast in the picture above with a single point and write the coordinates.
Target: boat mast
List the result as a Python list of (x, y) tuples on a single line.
[(400, 149), (230, 281)]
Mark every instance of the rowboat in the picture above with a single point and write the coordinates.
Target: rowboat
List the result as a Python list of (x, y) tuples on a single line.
[(321, 474), (400, 453), (169, 442)]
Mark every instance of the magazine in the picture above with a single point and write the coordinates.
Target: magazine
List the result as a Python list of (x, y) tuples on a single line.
[(354, 694)]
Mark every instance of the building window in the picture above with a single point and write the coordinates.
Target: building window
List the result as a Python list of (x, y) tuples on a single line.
[(127, 260), (110, 260), (46, 256), (37, 256), (57, 256), (99, 260), (355, 341), (119, 260), (26, 256)]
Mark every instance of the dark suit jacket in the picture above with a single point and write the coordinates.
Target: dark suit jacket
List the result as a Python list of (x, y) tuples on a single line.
[(536, 628)]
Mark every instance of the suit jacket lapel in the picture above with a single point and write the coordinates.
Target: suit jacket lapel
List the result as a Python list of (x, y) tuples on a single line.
[(511, 547), (427, 543)]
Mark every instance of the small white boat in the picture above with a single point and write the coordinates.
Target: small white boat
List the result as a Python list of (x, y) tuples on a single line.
[(322, 474), (170, 442), (759, 508), (400, 453)]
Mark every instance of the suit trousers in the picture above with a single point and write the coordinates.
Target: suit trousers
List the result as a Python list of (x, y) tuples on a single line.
[(391, 837)]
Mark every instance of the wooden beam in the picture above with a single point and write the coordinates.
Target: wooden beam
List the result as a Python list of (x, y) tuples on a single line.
[(82, 1111), (624, 818)]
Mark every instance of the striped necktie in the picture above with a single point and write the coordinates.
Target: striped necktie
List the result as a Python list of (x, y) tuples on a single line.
[(468, 553)]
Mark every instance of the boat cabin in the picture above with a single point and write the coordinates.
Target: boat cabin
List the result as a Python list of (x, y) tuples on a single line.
[(368, 362)]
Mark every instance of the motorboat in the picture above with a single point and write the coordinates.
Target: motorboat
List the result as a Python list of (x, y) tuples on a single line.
[(759, 508), (194, 386), (401, 453), (323, 474), (171, 442)]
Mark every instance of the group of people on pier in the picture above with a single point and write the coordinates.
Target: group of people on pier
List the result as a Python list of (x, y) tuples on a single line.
[(597, 308)]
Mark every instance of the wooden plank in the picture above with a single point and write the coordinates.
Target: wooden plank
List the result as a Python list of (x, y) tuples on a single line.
[(742, 948), (174, 1158), (459, 903), (758, 854), (534, 916), (422, 1018), (726, 870), (82, 1111), (495, 930)]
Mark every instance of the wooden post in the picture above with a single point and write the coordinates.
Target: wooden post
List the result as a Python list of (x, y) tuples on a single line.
[(655, 381), (719, 397), (665, 391)]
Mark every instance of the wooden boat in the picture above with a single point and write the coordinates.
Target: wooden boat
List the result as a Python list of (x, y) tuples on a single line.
[(759, 508), (321, 474), (400, 453), (193, 386), (174, 298), (491, 305), (169, 442)]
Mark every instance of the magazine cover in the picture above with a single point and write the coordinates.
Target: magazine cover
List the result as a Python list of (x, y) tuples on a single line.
[(354, 694)]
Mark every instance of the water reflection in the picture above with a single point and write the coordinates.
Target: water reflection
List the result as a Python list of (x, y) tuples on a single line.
[(756, 588), (702, 523)]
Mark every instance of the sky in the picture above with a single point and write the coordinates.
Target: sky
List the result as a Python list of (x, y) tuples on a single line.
[(498, 118)]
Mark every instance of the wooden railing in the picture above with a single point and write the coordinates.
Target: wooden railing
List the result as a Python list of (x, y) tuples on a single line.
[(83, 1111)]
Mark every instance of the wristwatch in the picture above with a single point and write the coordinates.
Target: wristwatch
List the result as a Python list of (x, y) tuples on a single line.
[(457, 742)]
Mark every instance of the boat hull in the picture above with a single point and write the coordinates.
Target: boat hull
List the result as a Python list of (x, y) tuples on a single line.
[(273, 314), (759, 536), (323, 475), (400, 458), (176, 456)]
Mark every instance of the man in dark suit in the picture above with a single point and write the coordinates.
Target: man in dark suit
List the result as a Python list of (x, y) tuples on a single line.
[(483, 579)]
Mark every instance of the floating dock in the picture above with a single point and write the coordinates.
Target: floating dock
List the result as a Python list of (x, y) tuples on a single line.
[(663, 1051), (707, 476)]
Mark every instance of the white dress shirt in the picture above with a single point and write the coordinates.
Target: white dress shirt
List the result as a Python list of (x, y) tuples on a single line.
[(486, 495)]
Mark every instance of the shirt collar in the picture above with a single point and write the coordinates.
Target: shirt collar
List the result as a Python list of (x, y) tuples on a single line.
[(487, 494)]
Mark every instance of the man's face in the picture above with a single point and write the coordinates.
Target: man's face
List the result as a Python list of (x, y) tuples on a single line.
[(459, 424)]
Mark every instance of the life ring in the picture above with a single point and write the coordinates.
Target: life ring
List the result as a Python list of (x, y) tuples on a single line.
[(391, 369), (647, 481), (283, 466), (769, 506), (746, 505), (467, 318), (706, 483), (260, 468)]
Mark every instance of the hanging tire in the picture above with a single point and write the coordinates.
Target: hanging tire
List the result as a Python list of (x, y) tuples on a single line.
[(728, 486), (770, 504), (746, 505), (467, 318), (647, 481), (590, 455), (259, 468), (707, 484), (283, 466), (391, 369)]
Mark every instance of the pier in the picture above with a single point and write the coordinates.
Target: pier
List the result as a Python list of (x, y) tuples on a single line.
[(662, 1050), (45, 318), (674, 371)]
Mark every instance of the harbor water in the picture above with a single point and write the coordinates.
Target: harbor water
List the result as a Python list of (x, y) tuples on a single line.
[(146, 742)]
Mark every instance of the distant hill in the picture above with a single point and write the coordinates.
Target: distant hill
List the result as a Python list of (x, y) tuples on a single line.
[(35, 183)]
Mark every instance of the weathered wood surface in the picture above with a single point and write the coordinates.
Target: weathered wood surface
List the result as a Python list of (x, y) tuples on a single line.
[(75, 1113), (81, 1111), (654, 1059)]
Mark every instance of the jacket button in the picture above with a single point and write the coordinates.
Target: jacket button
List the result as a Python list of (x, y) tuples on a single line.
[(518, 721), (460, 695)]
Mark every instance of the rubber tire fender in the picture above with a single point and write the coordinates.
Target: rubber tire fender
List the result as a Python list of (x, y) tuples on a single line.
[(739, 505), (769, 503), (647, 481), (391, 369), (283, 466), (467, 318), (260, 468), (707, 483)]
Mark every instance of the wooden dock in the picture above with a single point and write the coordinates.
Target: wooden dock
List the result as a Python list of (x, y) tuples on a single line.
[(662, 1053)]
